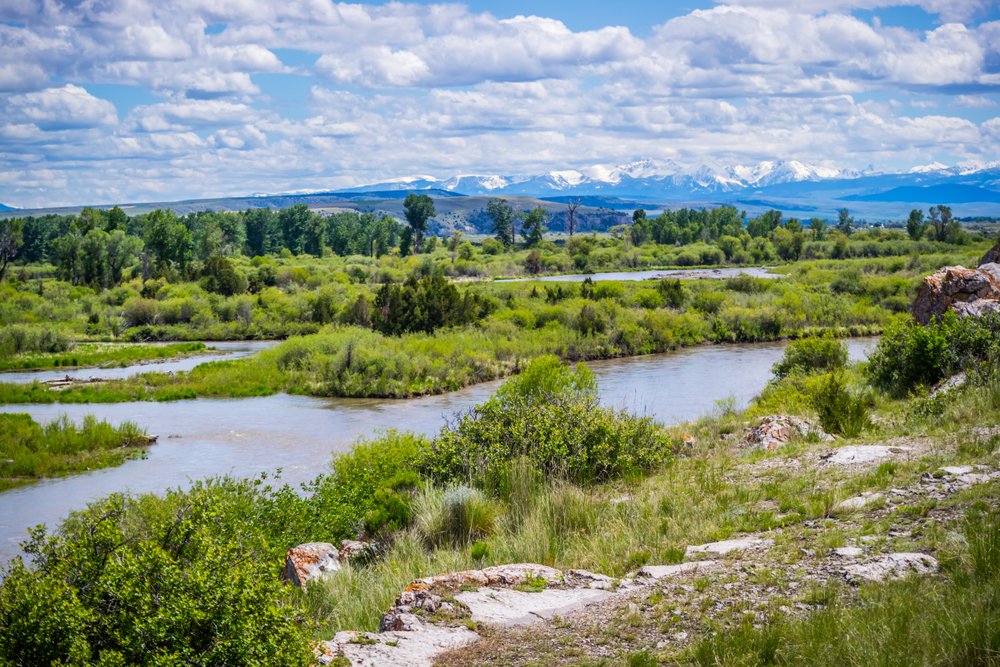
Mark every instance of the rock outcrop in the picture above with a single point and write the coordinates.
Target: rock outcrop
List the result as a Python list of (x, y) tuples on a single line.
[(310, 561), (776, 430), (966, 292)]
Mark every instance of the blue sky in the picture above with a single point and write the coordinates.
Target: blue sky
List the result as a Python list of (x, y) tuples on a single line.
[(126, 100)]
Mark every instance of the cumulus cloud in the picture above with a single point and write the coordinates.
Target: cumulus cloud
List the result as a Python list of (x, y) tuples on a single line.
[(375, 91), (61, 108)]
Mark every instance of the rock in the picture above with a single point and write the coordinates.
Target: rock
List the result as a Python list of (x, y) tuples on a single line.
[(308, 562), (848, 552), (775, 430), (728, 546), (956, 470), (862, 454), (857, 502), (505, 607), (892, 566), (356, 550), (657, 572), (967, 292), (502, 575), (416, 647), (956, 381), (399, 621), (585, 579)]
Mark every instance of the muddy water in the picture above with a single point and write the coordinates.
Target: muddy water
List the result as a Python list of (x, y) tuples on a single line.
[(241, 437)]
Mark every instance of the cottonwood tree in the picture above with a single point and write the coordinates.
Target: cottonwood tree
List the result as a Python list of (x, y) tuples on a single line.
[(915, 224), (11, 236), (533, 227), (845, 223), (418, 209), (503, 217)]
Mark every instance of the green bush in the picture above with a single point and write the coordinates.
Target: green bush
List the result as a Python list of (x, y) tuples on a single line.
[(150, 581), (809, 355), (841, 411), (910, 355), (551, 416)]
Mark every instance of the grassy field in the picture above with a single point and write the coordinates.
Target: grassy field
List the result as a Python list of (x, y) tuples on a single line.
[(99, 355)]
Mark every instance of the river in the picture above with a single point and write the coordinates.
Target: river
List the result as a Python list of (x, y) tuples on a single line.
[(654, 274), (243, 437)]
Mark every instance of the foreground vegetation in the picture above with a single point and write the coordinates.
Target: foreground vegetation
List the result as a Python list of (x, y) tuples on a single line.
[(29, 451), (192, 576)]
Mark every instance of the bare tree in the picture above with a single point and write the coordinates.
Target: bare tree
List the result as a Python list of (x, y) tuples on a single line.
[(571, 215)]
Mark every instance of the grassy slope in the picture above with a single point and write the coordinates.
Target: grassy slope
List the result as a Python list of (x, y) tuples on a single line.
[(716, 492)]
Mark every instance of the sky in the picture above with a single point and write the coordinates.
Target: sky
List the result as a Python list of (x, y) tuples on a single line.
[(114, 101)]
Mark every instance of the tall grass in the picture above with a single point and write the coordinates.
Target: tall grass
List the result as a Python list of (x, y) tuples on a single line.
[(29, 451)]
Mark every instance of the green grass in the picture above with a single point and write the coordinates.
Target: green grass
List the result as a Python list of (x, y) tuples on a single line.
[(100, 355), (29, 451)]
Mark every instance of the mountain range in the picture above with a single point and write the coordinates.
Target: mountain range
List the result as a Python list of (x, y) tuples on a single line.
[(666, 179), (793, 187)]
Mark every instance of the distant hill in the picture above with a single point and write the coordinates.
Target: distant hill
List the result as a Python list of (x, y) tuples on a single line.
[(4, 207), (945, 193)]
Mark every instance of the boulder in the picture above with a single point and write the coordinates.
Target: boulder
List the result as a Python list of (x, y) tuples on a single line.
[(775, 430), (308, 562), (728, 546), (966, 292), (355, 550)]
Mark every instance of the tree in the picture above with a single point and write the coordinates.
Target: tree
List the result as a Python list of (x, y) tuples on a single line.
[(293, 222), (845, 223), (638, 215), (818, 228), (533, 227), (121, 250), (571, 215), (940, 221), (221, 277), (167, 239), (263, 233), (418, 209), (503, 217), (117, 219), (915, 224), (11, 236)]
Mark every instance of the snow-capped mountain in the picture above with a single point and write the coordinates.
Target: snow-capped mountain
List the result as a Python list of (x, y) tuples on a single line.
[(646, 177)]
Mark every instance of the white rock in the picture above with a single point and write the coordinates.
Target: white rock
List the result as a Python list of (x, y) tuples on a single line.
[(666, 571), (972, 478), (848, 552), (417, 648), (857, 502), (728, 546), (863, 454), (957, 470), (892, 566), (504, 607)]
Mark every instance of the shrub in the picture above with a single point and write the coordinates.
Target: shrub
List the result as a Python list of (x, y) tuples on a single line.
[(138, 312), (552, 417), (747, 284), (911, 355), (150, 581), (809, 355), (841, 411)]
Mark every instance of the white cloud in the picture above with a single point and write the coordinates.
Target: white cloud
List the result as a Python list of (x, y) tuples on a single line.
[(61, 108)]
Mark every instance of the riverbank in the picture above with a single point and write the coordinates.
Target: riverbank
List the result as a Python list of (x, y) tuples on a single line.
[(99, 355)]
